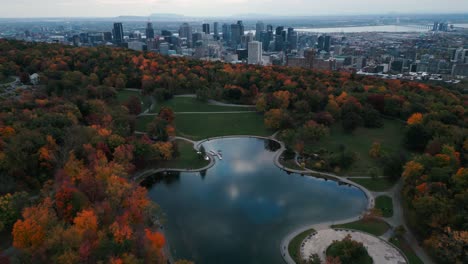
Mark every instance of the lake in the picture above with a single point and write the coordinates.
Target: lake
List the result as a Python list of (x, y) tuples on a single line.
[(239, 210)]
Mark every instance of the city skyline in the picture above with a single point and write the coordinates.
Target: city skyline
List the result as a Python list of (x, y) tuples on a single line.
[(221, 8)]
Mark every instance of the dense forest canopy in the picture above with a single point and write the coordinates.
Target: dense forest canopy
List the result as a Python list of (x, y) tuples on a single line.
[(70, 146)]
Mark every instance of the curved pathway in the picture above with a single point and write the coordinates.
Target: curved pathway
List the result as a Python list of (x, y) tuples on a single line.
[(182, 113), (214, 102)]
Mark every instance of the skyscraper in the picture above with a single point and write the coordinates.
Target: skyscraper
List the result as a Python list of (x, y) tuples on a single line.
[(235, 34), (280, 38), (226, 32), (327, 43), (259, 27), (321, 43), (206, 28), (215, 30), (292, 39), (254, 52), (149, 31), (118, 33), (241, 27), (185, 31)]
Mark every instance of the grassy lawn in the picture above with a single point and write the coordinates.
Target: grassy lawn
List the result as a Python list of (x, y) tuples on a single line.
[(291, 164), (187, 159), (201, 126), (372, 226), (375, 185), (390, 137), (406, 248), (124, 95), (7, 80), (295, 245), (385, 204), (188, 104)]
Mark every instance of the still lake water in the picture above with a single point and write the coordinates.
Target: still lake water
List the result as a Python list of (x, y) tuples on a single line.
[(240, 209)]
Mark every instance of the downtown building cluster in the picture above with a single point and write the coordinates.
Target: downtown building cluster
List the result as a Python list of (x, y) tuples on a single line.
[(439, 53)]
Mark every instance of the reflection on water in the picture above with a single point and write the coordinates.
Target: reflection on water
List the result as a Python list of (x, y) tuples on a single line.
[(245, 205)]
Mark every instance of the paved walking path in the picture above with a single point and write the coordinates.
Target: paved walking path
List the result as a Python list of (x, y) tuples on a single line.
[(182, 113), (378, 249)]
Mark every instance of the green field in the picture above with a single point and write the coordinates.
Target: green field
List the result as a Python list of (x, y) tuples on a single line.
[(291, 164), (372, 226), (124, 95), (201, 126), (190, 104), (406, 248), (187, 159), (295, 245), (390, 137), (375, 185), (385, 204)]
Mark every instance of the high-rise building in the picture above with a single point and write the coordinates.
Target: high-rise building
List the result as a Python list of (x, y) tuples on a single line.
[(254, 52), (292, 39), (327, 43), (259, 27), (118, 33), (206, 28), (309, 55), (235, 34), (270, 28), (226, 32), (149, 31), (108, 36), (241, 27), (185, 31), (280, 38), (216, 30), (321, 43)]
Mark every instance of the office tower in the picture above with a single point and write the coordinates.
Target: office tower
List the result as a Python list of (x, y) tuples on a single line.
[(185, 31), (164, 48), (280, 38), (266, 37), (149, 31), (118, 33), (320, 43), (309, 55), (292, 39), (226, 32), (279, 31), (241, 27), (254, 52), (246, 39), (259, 27), (215, 30), (327, 43), (235, 34), (206, 28), (270, 28), (108, 36)]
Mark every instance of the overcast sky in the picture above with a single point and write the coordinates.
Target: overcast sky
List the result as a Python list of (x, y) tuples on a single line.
[(108, 8)]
